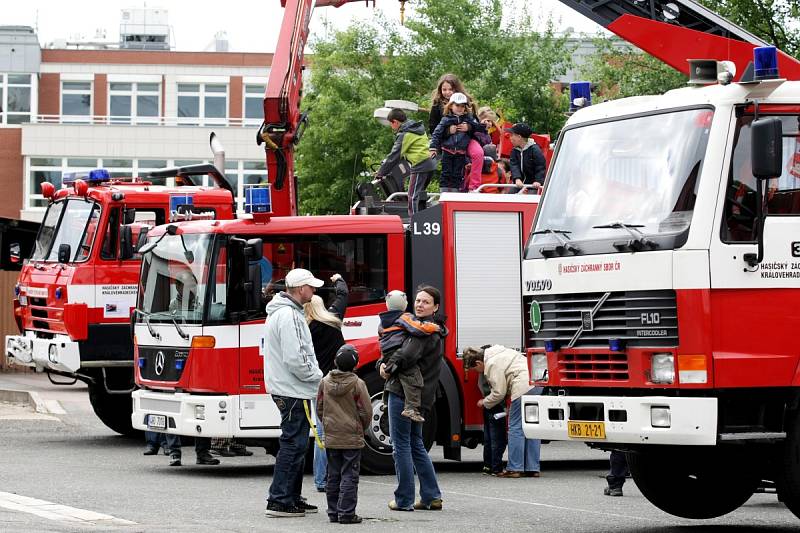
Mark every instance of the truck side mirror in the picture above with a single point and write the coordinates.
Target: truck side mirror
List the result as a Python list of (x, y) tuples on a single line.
[(254, 249), (766, 148), (142, 239), (14, 253), (64, 253), (129, 216), (126, 250)]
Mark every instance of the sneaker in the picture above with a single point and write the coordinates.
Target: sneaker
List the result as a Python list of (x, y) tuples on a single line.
[(307, 507), (206, 459), (278, 510), (350, 519), (608, 491), (151, 450), (175, 460), (394, 507), (433, 505), (413, 415), (487, 470)]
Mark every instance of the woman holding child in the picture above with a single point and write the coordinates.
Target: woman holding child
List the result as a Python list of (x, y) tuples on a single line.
[(409, 450)]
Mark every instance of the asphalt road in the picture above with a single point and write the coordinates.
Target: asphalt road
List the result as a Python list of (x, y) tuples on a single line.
[(51, 461)]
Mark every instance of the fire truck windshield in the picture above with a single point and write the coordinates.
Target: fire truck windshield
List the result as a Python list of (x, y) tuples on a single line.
[(637, 172), (71, 222), (174, 278)]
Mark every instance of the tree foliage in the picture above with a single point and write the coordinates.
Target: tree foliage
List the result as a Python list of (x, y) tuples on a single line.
[(507, 65)]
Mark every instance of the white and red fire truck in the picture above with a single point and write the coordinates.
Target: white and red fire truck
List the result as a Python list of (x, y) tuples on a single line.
[(76, 292), (661, 285)]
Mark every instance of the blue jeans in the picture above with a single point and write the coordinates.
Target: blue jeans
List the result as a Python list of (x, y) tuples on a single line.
[(410, 454), (155, 439), (287, 478), (494, 438), (523, 454), (320, 458)]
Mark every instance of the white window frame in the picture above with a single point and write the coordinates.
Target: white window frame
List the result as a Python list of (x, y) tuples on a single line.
[(133, 93), (201, 94), (90, 91), (252, 121), (5, 84)]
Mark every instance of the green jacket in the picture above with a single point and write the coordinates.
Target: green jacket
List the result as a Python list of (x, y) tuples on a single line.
[(411, 144)]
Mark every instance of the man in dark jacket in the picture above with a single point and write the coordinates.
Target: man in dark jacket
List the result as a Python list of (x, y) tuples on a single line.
[(411, 145), (528, 165)]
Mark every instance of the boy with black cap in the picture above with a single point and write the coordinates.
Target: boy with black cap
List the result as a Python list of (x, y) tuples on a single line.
[(528, 165), (343, 405)]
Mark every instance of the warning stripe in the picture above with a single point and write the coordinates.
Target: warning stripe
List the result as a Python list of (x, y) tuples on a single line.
[(54, 511)]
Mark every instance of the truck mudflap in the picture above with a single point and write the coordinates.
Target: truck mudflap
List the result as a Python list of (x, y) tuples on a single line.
[(59, 353), (197, 415), (631, 420)]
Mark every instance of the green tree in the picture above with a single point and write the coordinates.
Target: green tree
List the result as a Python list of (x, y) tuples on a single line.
[(775, 21), (355, 70)]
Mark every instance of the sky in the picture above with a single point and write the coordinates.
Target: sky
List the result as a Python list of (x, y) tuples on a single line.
[(251, 25)]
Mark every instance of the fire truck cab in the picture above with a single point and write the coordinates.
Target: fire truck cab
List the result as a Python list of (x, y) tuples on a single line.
[(200, 363), (661, 287), (76, 291)]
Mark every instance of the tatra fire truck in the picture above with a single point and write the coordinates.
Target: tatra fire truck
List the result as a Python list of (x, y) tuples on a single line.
[(75, 293), (661, 285)]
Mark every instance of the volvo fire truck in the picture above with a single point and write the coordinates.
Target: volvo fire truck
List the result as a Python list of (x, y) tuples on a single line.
[(661, 285), (75, 293)]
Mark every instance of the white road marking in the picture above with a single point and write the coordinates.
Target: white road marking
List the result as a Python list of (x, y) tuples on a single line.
[(54, 511), (535, 504)]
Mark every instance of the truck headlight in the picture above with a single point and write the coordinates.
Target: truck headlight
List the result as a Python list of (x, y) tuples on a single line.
[(539, 366), (660, 417), (532, 413), (662, 368), (200, 412)]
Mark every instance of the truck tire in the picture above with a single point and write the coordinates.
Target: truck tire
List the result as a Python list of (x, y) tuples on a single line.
[(691, 482), (789, 474), (114, 410), (376, 457)]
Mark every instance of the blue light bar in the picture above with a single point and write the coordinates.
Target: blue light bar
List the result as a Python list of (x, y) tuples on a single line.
[(68, 178), (580, 95), (99, 175), (765, 62), (258, 199)]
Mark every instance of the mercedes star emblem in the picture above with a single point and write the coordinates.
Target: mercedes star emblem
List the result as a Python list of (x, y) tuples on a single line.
[(159, 363)]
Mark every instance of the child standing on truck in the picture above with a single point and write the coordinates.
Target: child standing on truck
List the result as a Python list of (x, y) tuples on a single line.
[(452, 136), (396, 326), (343, 405)]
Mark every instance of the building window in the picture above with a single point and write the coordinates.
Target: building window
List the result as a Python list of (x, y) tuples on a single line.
[(138, 103), (202, 104), (15, 98), (253, 104), (76, 101)]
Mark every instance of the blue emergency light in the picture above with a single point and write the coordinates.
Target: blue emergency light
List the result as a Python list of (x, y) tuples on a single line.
[(258, 199), (616, 345), (765, 62), (97, 175), (580, 95), (179, 364), (142, 362), (177, 200), (550, 345)]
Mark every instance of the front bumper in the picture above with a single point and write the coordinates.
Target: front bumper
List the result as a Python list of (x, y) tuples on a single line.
[(222, 415), (59, 353), (692, 421)]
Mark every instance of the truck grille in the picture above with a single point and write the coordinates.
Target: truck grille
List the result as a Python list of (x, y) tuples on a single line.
[(162, 364), (593, 366), (591, 320)]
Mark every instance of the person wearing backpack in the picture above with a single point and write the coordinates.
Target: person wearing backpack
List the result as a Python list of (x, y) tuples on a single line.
[(492, 171)]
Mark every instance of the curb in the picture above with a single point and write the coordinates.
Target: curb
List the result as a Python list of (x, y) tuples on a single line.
[(31, 398)]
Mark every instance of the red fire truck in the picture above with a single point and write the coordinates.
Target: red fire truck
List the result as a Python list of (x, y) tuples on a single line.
[(200, 364), (75, 293), (661, 288)]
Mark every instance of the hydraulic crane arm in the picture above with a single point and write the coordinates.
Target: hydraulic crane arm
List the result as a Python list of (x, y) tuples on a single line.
[(283, 123), (677, 30)]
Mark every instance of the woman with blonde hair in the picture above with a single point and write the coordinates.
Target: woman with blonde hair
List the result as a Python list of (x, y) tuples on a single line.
[(326, 336)]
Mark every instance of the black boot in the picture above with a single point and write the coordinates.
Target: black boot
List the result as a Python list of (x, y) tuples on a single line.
[(205, 458)]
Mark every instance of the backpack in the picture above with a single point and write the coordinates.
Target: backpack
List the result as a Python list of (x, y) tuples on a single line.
[(492, 173)]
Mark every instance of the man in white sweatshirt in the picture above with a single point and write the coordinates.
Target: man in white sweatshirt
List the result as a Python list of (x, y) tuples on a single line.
[(292, 377)]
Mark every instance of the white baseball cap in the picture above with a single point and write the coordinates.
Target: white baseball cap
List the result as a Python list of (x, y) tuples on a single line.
[(458, 98), (300, 276)]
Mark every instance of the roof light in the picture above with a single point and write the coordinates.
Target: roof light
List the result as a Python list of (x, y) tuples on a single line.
[(580, 95), (80, 187), (99, 175), (48, 189), (258, 199), (765, 61)]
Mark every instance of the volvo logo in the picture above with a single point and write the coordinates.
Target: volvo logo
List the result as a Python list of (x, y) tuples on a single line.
[(159, 363)]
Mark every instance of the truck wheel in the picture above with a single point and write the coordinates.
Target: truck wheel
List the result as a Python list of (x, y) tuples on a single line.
[(693, 483), (114, 410), (376, 458), (789, 475)]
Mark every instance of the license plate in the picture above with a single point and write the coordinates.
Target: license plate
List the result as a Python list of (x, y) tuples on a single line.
[(586, 430), (156, 422)]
